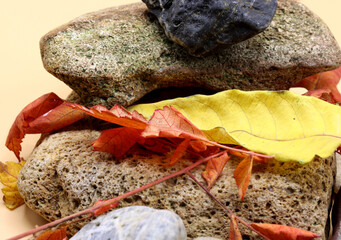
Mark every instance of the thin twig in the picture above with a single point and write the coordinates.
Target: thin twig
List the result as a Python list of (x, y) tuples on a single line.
[(224, 207), (116, 199)]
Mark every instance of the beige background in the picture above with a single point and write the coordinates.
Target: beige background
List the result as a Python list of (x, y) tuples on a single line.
[(23, 77)]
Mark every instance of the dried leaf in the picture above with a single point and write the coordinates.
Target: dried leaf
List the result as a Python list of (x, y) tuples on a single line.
[(58, 234), (198, 146), (46, 114), (325, 82), (179, 152), (244, 155), (323, 94), (55, 119), (117, 114), (33, 110), (8, 177), (234, 233), (158, 145), (263, 121), (117, 140), (170, 123), (105, 208), (280, 232), (210, 150), (242, 175), (214, 168)]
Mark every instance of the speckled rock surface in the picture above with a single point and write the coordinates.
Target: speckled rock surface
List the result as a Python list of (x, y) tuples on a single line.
[(200, 26), (135, 223), (118, 55), (63, 175)]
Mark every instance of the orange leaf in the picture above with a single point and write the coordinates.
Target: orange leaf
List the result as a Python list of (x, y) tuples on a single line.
[(179, 151), (323, 83), (280, 232), (105, 208), (242, 175), (214, 168), (158, 145), (58, 234), (117, 140), (32, 111), (169, 122), (117, 114), (234, 233), (244, 155), (198, 146), (210, 150), (55, 119)]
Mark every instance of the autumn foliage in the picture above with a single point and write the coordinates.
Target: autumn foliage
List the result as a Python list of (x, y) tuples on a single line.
[(8, 177), (58, 234), (323, 85), (167, 130), (280, 232)]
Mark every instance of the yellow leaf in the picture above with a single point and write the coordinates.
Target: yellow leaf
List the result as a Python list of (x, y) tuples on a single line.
[(282, 124), (8, 177)]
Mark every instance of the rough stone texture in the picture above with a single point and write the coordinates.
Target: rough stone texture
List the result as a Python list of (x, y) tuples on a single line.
[(135, 223), (200, 26), (63, 175), (117, 55)]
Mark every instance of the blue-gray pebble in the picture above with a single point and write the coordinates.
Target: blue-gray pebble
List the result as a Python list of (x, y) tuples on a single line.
[(201, 26), (134, 223)]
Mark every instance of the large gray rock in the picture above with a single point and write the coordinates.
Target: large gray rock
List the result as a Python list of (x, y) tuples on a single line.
[(201, 26), (64, 175), (118, 55), (135, 223)]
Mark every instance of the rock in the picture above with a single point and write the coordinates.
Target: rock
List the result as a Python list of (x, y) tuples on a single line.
[(118, 55), (64, 175), (137, 223), (200, 26)]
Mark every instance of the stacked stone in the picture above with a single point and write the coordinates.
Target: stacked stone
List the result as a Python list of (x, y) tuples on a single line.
[(118, 55)]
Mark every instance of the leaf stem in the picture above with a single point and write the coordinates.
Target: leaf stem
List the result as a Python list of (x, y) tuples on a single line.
[(115, 199), (224, 207)]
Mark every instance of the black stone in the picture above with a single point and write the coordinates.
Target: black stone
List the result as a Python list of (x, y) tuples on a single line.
[(203, 25)]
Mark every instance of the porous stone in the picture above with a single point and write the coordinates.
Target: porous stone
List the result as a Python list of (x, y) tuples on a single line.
[(118, 55), (64, 175), (136, 223), (200, 26)]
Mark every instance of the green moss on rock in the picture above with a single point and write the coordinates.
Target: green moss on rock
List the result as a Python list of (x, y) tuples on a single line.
[(118, 55)]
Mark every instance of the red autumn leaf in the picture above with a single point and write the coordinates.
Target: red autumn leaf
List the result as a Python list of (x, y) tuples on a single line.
[(242, 175), (281, 232), (55, 119), (244, 155), (198, 146), (210, 150), (214, 168), (105, 208), (169, 122), (31, 120), (117, 114), (234, 233), (179, 151), (323, 84), (58, 234), (117, 140), (158, 145)]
